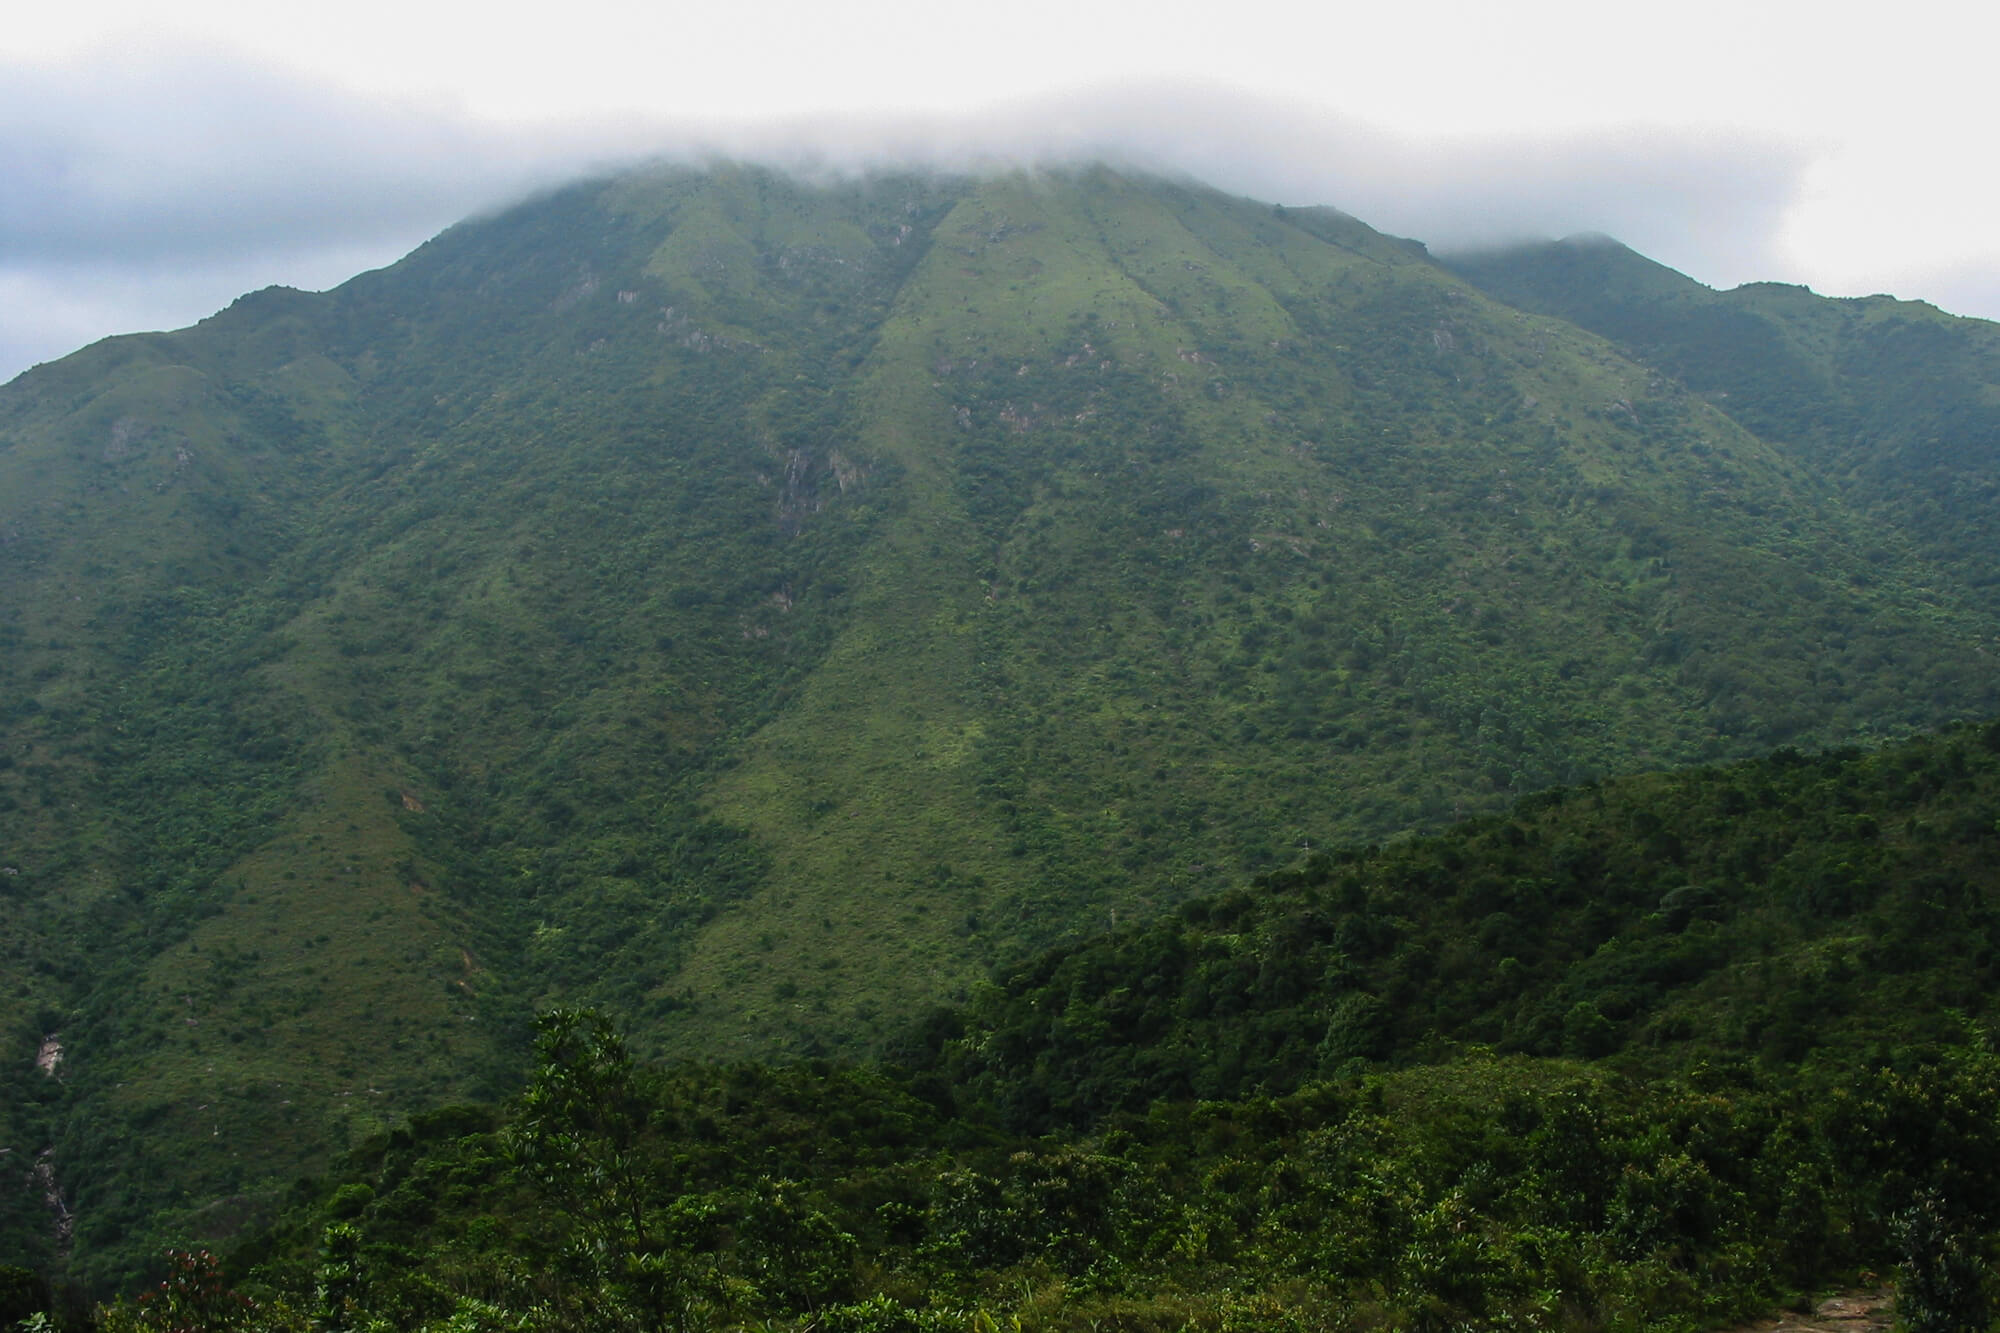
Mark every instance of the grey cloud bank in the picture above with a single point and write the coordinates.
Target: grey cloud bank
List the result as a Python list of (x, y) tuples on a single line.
[(147, 192), (141, 193), (190, 155), (1709, 206)]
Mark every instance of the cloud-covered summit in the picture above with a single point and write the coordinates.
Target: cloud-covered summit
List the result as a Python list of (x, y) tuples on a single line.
[(147, 190)]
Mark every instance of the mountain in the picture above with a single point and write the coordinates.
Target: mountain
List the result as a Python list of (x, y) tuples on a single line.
[(758, 606)]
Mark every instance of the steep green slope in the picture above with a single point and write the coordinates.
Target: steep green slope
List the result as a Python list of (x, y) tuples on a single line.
[(1896, 401), (435, 741), (758, 606), (1242, 509)]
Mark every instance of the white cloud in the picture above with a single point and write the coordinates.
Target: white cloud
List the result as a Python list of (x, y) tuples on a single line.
[(150, 175), (1884, 214), (144, 191), (1706, 201), (182, 150)]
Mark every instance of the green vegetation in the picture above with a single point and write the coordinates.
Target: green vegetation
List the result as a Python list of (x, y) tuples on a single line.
[(1796, 909), (1889, 400), (758, 608), (1681, 1109)]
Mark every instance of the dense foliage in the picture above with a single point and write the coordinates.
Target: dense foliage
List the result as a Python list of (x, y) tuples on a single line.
[(1800, 908), (1480, 1193), (1678, 1109)]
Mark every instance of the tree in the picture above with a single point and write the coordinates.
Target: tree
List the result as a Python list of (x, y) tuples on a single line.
[(192, 1298), (583, 1136), (1943, 1286), (337, 1281)]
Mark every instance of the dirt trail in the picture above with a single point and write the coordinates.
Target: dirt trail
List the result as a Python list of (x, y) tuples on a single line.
[(1849, 1312)]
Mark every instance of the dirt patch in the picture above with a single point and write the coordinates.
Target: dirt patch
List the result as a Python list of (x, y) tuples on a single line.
[(1849, 1312)]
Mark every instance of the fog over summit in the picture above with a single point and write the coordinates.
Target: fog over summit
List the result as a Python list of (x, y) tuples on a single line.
[(146, 191)]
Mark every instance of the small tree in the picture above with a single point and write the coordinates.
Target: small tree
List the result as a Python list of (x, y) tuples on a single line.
[(337, 1281), (802, 1259), (1943, 1287), (192, 1298), (582, 1136)]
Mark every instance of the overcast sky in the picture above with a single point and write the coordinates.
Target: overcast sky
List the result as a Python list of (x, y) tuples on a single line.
[(157, 161)]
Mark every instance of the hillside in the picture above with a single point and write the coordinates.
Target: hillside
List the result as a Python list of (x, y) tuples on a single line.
[(1821, 910), (760, 606), (1891, 400), (1740, 1050)]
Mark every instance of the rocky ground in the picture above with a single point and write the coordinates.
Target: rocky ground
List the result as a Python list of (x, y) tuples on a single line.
[(1850, 1312)]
